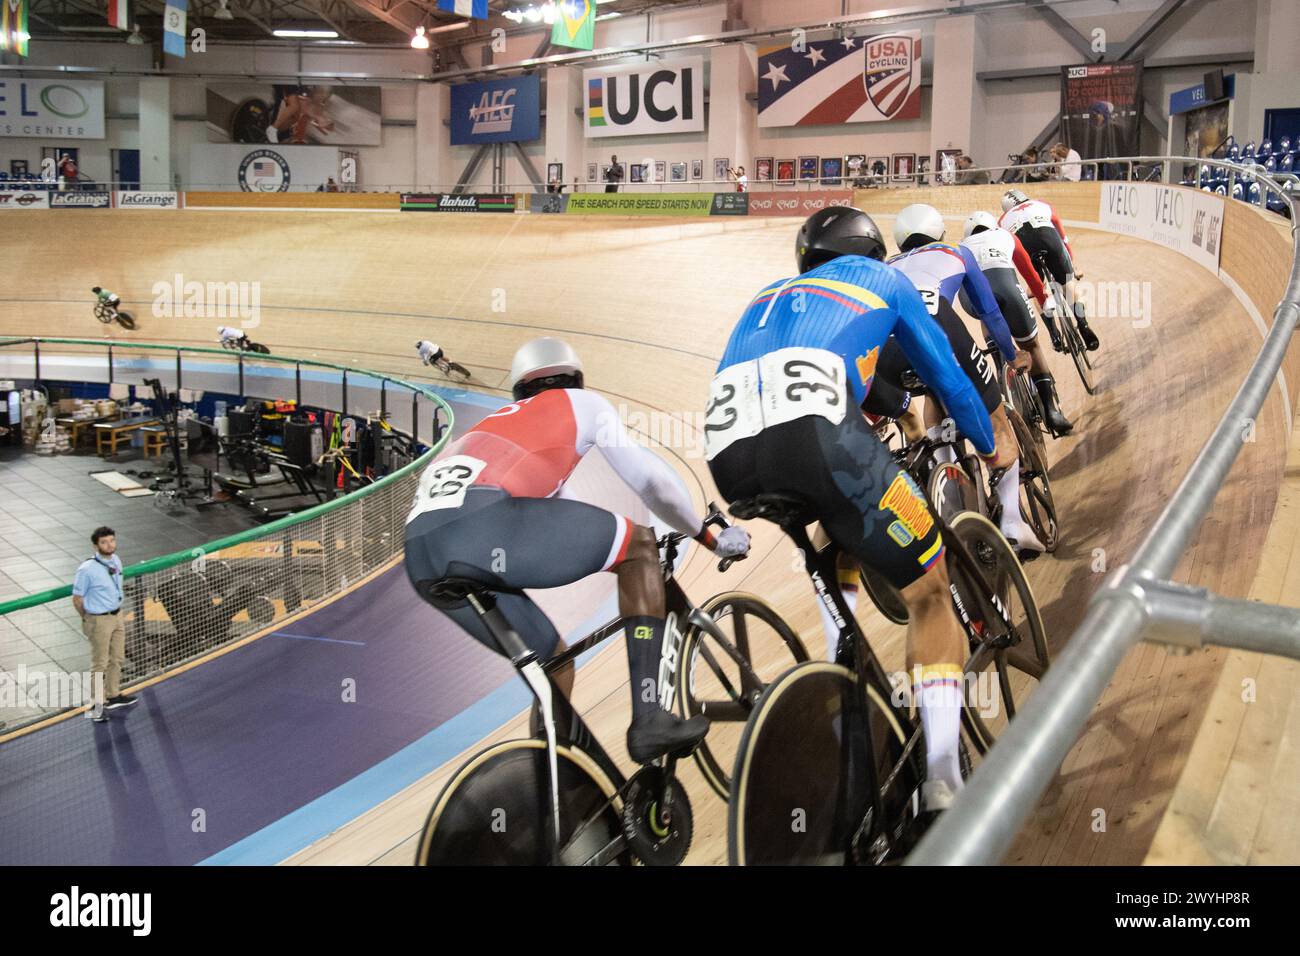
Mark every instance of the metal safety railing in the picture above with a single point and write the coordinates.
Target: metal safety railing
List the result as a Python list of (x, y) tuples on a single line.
[(1137, 602), (184, 605)]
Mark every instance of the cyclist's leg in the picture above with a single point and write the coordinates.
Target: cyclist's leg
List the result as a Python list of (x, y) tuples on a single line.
[(883, 519), (1062, 269), (1014, 304)]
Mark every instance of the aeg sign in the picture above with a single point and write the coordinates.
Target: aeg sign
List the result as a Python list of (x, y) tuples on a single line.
[(496, 111), (639, 100)]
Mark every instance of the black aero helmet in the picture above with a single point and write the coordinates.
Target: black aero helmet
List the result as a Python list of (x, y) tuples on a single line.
[(837, 231)]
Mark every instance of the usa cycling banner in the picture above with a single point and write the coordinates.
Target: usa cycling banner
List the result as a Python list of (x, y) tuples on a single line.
[(1101, 109), (854, 80), (497, 111), (1187, 221), (13, 27)]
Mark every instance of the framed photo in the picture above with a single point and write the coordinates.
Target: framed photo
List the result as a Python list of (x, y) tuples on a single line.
[(638, 173), (832, 170), (807, 167), (878, 168), (855, 169), (591, 172), (555, 172), (678, 172), (697, 169), (904, 167), (785, 171), (720, 167), (661, 171), (763, 168), (945, 164)]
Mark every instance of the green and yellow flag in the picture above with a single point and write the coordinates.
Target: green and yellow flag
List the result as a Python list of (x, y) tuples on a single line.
[(13, 27), (576, 24)]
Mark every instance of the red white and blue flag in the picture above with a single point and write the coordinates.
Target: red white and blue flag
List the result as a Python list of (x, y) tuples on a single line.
[(465, 8), (117, 14), (854, 80)]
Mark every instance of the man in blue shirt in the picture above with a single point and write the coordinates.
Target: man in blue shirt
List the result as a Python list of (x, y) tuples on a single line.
[(97, 596), (783, 417)]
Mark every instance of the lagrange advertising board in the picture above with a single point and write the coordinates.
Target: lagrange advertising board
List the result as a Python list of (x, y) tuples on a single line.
[(1185, 220)]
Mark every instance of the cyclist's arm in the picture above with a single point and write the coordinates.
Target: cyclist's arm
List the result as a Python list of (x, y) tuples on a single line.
[(1056, 221), (927, 348), (1025, 266), (986, 306), (641, 469)]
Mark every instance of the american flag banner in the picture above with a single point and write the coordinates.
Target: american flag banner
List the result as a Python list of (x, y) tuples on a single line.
[(853, 80)]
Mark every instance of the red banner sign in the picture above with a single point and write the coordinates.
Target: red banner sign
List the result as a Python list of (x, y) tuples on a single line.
[(797, 204)]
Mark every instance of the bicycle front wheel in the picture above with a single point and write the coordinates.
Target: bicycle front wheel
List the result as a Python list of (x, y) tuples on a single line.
[(1011, 655), (724, 681), (1037, 506), (493, 811)]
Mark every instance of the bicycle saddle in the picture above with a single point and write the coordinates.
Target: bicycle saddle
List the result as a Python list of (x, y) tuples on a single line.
[(778, 508), (450, 592)]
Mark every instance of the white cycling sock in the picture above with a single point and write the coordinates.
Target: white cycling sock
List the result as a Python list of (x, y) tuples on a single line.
[(1009, 496), (939, 693), (849, 588)]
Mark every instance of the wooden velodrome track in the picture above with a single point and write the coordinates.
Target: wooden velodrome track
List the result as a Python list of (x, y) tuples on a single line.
[(649, 303)]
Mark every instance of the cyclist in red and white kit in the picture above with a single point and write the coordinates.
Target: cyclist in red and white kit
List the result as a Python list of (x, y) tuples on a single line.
[(1039, 230), (1000, 256), (493, 508)]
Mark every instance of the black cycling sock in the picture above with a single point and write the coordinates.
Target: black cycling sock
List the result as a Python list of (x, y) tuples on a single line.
[(644, 638)]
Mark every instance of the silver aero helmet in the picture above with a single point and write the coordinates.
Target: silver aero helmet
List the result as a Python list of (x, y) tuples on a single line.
[(917, 224), (539, 360), (978, 222), (1013, 197)]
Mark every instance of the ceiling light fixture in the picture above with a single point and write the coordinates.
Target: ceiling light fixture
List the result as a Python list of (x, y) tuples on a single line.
[(306, 34), (135, 39), (420, 41), (223, 12)]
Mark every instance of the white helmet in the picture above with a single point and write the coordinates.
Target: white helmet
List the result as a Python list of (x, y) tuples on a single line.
[(978, 221), (917, 219), (542, 358), (1013, 197)]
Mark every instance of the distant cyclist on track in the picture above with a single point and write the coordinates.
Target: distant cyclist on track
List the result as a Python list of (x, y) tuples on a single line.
[(493, 507), (939, 270), (1039, 230), (1000, 256), (783, 417)]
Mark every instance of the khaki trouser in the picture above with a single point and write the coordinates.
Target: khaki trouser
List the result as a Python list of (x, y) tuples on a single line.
[(107, 637)]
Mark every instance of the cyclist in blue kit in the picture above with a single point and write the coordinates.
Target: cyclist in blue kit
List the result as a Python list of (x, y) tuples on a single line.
[(783, 416)]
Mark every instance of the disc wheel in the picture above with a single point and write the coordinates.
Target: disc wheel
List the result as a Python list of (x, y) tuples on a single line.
[(126, 320), (493, 810), (714, 683), (1010, 655), (657, 838), (801, 782)]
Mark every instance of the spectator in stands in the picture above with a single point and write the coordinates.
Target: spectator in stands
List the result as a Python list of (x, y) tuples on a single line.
[(965, 178), (67, 169), (1068, 163), (97, 596), (613, 175)]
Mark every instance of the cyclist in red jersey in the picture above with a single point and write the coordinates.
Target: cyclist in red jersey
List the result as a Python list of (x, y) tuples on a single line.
[(1039, 229), (493, 507)]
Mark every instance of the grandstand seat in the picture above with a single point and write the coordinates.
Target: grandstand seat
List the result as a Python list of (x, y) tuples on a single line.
[(1248, 151)]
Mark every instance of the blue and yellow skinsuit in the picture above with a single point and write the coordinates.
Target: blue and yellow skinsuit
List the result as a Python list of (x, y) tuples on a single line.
[(830, 457)]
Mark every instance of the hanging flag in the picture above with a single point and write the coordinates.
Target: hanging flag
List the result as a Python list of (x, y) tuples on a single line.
[(174, 27), (117, 14), (465, 8), (13, 27), (576, 24)]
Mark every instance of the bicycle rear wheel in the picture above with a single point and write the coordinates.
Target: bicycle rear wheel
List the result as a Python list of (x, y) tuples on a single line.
[(800, 786), (1074, 344), (126, 320), (493, 810), (715, 684), (1008, 661), (1026, 402)]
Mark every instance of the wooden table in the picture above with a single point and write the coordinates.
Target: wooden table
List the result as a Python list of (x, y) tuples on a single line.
[(114, 433), (78, 425)]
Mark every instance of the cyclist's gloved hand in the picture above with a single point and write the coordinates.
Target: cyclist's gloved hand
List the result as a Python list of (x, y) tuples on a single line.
[(732, 542)]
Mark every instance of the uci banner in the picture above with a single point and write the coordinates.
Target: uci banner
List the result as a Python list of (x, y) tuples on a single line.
[(1101, 109), (854, 80), (497, 111), (639, 100)]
